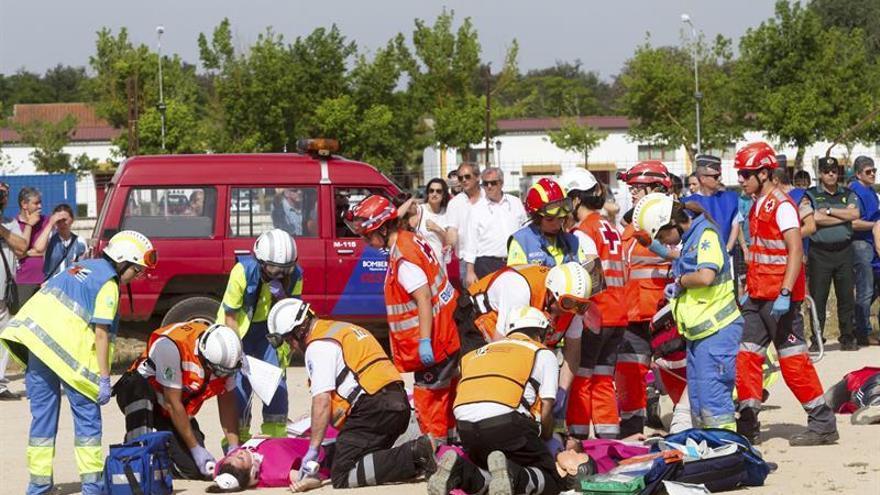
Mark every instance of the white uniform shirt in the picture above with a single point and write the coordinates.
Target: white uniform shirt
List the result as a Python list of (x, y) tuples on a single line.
[(458, 213), (166, 367), (425, 214), (324, 362), (490, 225), (509, 291), (786, 215), (545, 372)]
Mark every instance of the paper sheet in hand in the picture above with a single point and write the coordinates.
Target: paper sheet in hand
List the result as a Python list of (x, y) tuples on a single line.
[(264, 377)]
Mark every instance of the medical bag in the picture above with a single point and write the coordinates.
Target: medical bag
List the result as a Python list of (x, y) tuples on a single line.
[(139, 467)]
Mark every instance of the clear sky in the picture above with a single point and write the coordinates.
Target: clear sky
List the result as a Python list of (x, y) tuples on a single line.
[(37, 34)]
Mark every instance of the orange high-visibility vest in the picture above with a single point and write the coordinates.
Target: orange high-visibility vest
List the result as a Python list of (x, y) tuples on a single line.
[(197, 383), (611, 302), (403, 313), (499, 372), (647, 276), (364, 359), (535, 276), (768, 255)]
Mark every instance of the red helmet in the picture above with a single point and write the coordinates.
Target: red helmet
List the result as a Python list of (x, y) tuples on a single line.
[(755, 156), (651, 172), (370, 214), (547, 198)]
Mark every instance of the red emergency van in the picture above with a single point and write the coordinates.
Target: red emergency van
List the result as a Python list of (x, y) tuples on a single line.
[(202, 210)]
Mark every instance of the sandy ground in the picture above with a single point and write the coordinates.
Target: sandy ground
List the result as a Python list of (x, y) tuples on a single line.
[(851, 466)]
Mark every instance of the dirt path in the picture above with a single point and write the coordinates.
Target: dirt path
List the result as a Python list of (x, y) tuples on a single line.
[(851, 466)]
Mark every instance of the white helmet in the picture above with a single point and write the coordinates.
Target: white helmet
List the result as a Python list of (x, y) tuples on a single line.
[(133, 247), (577, 179), (526, 317), (569, 279), (285, 316), (221, 347), (276, 247), (653, 212)]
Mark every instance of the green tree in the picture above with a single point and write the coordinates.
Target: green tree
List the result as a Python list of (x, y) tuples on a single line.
[(266, 98), (445, 73), (49, 140), (559, 91), (852, 14), (67, 84), (658, 95), (117, 59), (802, 82), (577, 137)]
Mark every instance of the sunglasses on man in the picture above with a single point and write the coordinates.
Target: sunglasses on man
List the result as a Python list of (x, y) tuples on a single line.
[(491, 183)]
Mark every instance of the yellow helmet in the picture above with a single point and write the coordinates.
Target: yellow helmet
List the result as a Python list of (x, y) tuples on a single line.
[(133, 247)]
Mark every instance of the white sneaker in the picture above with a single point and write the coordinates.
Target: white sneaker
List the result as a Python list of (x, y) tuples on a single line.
[(500, 483)]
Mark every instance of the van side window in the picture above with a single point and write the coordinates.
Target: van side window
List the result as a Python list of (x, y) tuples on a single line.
[(254, 210), (346, 198), (185, 212)]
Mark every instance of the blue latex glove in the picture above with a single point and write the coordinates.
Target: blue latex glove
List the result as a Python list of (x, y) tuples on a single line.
[(659, 249), (561, 402), (426, 353), (103, 390), (554, 445), (310, 455), (780, 306), (204, 460), (743, 299), (671, 291)]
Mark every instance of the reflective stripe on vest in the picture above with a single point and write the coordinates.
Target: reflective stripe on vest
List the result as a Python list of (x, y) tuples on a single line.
[(197, 385), (695, 331), (56, 325), (403, 313), (364, 360), (499, 373), (612, 301), (768, 255)]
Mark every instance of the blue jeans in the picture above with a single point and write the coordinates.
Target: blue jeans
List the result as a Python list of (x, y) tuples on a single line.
[(863, 253)]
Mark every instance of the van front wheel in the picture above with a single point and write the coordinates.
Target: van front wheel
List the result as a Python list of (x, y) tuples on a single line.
[(195, 307)]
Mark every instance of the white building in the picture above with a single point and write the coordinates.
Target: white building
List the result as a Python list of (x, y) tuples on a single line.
[(92, 136), (523, 151)]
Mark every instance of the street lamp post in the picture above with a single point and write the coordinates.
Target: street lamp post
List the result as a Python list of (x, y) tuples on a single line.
[(697, 95), (498, 153), (161, 107)]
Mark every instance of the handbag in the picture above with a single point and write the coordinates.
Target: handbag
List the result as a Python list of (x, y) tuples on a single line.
[(10, 293)]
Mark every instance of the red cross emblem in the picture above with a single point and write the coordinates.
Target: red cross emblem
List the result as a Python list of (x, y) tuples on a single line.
[(426, 248), (769, 205), (610, 237)]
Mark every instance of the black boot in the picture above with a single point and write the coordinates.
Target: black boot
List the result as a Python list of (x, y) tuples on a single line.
[(810, 438), (423, 456), (631, 426), (747, 425)]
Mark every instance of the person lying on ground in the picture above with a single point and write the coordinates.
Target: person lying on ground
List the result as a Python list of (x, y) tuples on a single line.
[(271, 463)]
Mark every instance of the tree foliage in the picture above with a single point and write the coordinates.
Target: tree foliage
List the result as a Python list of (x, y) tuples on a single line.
[(48, 140), (852, 14), (658, 95), (803, 82), (577, 137)]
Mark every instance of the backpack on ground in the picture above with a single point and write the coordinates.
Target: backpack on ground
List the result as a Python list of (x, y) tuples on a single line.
[(139, 467), (735, 464)]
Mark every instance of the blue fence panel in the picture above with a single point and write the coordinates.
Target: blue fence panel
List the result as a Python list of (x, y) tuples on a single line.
[(55, 189)]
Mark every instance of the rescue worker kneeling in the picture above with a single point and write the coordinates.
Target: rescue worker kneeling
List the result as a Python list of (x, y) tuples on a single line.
[(183, 365), (356, 388), (504, 413), (703, 302)]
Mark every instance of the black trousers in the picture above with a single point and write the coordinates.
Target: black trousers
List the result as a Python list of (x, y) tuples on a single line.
[(823, 268), (363, 455), (465, 314), (484, 265), (137, 401), (529, 464)]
